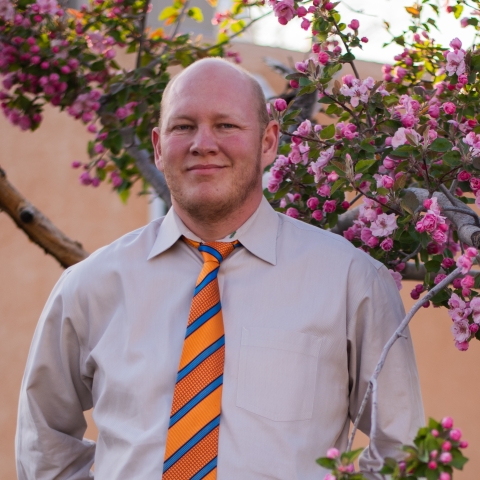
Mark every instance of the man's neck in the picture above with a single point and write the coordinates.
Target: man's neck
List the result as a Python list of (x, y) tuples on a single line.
[(209, 232)]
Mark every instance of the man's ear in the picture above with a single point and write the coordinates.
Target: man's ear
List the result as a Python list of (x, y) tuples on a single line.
[(270, 143), (157, 148)]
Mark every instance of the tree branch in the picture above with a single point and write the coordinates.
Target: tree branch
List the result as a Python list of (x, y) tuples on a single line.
[(372, 386), (37, 227), (143, 22), (147, 168)]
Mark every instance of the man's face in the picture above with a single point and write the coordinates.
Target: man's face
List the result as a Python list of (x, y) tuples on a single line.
[(211, 149)]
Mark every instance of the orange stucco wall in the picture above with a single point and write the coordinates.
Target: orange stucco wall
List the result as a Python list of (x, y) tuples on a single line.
[(38, 165)]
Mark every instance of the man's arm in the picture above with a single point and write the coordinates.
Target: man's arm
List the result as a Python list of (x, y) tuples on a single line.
[(400, 412), (53, 397)]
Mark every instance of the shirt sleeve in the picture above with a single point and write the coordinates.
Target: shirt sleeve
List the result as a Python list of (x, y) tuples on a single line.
[(53, 397), (374, 319)]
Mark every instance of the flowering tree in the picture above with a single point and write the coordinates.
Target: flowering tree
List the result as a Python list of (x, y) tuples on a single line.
[(405, 149)]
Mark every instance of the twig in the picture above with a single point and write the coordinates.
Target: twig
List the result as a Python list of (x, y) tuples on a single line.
[(371, 389), (347, 48), (143, 22), (356, 198), (413, 254)]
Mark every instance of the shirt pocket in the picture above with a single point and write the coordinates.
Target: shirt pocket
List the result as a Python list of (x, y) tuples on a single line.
[(277, 373)]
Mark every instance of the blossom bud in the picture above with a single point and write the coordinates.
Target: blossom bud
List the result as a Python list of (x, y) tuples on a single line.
[(333, 453), (456, 43), (317, 215), (328, 6), (464, 176), (76, 164), (444, 476), (462, 346), (387, 181), (439, 278), (446, 446), (95, 182), (280, 104), (301, 11), (364, 40), (434, 432), (312, 203), (432, 465), (463, 444), (456, 434), (448, 262), (294, 83), (447, 422), (473, 328), (292, 212), (445, 457), (345, 205), (434, 111), (354, 24), (323, 58), (471, 252), (434, 454)]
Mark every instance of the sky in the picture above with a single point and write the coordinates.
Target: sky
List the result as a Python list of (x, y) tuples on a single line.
[(371, 14)]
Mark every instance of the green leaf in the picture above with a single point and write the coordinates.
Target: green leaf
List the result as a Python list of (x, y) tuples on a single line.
[(452, 158), (351, 456), (441, 145), (457, 11), (403, 151), (167, 12), (291, 115), (124, 194), (390, 100), (327, 132), (337, 185), (328, 463), (367, 146), (432, 266), (332, 109), (326, 100), (363, 165), (458, 460), (197, 15), (347, 58), (308, 89)]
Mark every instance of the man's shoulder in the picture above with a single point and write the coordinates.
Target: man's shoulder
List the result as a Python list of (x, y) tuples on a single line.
[(318, 242)]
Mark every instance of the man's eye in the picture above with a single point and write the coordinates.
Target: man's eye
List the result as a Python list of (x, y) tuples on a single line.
[(182, 127), (227, 125)]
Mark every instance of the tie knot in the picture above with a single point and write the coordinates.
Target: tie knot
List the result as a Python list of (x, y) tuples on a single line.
[(214, 251)]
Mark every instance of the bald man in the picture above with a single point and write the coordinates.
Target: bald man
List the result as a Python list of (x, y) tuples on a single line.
[(223, 340)]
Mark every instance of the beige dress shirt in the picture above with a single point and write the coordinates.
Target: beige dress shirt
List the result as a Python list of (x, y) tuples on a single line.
[(306, 316)]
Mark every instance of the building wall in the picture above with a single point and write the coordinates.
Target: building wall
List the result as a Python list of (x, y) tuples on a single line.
[(38, 165)]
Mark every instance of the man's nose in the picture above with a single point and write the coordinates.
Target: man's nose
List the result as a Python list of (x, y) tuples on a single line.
[(204, 142)]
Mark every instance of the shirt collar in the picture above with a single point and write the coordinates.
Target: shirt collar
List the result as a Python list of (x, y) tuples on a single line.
[(258, 234)]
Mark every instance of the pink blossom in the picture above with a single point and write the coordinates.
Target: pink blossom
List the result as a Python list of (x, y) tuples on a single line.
[(292, 212), (467, 281), (448, 262), (384, 225), (444, 476), (387, 181), (285, 10), (301, 11), (317, 215), (439, 278), (446, 446), (324, 190), (432, 465), (456, 44), (449, 108), (465, 262), (357, 90), (312, 203), (329, 476), (387, 244), (329, 206), (325, 156), (460, 330), (365, 234), (49, 7), (323, 58), (475, 306), (434, 111), (462, 346), (455, 62), (280, 104), (304, 128), (463, 24), (471, 252), (464, 176), (301, 66), (397, 277), (6, 10)]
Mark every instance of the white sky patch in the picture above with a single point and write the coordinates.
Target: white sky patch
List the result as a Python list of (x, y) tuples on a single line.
[(371, 14)]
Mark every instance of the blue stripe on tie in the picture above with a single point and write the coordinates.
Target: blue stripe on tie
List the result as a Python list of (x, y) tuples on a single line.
[(211, 251), (211, 276), (202, 319), (191, 443), (196, 400), (205, 470), (200, 358)]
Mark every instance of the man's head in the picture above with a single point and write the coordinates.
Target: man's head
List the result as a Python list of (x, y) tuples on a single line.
[(214, 141)]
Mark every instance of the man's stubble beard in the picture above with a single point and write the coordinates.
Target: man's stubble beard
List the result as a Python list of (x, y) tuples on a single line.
[(215, 210)]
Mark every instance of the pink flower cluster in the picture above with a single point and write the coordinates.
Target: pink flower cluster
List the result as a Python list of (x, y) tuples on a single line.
[(98, 43), (356, 89), (371, 225), (6, 10), (455, 59), (433, 222), (85, 105)]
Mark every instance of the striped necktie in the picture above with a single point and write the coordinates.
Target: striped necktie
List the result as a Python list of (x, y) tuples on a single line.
[(192, 439)]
